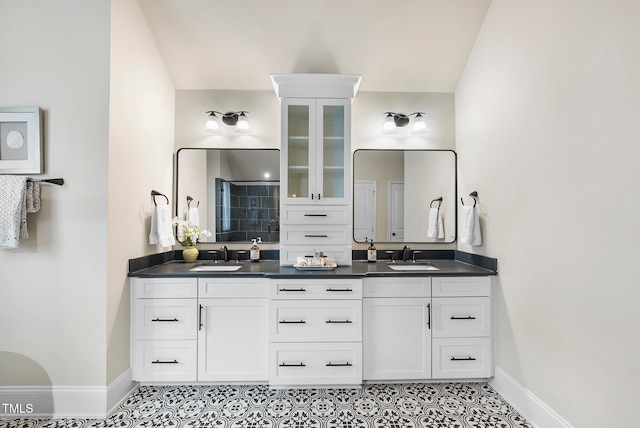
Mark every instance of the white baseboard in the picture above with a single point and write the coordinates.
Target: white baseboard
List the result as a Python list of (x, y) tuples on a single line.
[(119, 389), (528, 405), (90, 402)]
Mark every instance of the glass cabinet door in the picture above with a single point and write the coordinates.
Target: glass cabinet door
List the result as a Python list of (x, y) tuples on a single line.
[(333, 149), (317, 151), (299, 148)]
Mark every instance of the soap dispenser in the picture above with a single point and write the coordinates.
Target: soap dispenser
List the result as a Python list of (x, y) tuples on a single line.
[(255, 250), (371, 253)]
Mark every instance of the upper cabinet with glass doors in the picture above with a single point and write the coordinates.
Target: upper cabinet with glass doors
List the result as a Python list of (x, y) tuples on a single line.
[(316, 151)]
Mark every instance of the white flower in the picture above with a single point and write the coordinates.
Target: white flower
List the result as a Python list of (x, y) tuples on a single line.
[(190, 234)]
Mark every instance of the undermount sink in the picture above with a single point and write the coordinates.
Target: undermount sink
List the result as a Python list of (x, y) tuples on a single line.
[(413, 267), (215, 268)]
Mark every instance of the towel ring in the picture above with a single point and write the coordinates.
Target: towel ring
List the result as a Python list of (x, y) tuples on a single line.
[(189, 199), (474, 195), (438, 200), (155, 193)]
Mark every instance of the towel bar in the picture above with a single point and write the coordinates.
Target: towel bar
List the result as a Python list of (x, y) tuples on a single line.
[(57, 181)]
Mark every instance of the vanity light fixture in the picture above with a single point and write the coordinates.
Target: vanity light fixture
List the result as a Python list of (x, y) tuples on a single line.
[(237, 119), (393, 121)]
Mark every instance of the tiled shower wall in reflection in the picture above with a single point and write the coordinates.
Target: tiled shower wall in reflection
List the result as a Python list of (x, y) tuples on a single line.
[(245, 211)]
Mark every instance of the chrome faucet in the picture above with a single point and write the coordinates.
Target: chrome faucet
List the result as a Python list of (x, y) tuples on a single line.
[(225, 252), (406, 252)]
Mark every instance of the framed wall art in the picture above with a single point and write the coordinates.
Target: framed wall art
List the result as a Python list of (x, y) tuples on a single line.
[(21, 140)]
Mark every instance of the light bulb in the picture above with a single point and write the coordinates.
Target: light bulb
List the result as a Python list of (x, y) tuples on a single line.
[(243, 123), (213, 124), (419, 125), (389, 125)]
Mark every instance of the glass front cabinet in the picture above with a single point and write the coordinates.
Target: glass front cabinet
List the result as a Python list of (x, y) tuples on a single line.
[(315, 165), (316, 151)]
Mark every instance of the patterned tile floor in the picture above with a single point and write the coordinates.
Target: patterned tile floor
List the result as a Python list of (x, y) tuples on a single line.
[(446, 405)]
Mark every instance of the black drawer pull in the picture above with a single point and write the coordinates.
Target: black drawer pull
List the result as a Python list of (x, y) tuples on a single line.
[(292, 289), (164, 320), (316, 236), (429, 316), (293, 365), (347, 364), (292, 322), (338, 322), (469, 317), (339, 289), (315, 215), (164, 362), (463, 359)]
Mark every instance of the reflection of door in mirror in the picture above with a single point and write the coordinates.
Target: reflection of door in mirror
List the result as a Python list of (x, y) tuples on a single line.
[(396, 211), (364, 210)]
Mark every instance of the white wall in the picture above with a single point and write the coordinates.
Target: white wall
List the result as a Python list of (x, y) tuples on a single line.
[(548, 134), (141, 135), (55, 55)]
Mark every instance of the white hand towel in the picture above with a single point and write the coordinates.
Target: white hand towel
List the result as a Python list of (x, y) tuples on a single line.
[(165, 228), (435, 228), (161, 232), (13, 200), (153, 231), (193, 216), (470, 230)]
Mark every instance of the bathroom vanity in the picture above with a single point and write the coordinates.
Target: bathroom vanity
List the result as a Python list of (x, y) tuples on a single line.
[(266, 323)]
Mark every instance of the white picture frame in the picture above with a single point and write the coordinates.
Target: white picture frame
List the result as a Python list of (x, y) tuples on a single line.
[(21, 140)]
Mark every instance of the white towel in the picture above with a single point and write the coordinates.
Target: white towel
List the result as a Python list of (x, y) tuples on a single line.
[(435, 228), (13, 193), (193, 216), (470, 230), (161, 232)]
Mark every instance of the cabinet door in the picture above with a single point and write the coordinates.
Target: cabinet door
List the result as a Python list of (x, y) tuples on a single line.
[(232, 340), (298, 151), (316, 151), (397, 338), (333, 152)]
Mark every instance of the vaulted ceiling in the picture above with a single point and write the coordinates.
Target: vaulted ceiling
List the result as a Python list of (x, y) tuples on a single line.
[(397, 45)]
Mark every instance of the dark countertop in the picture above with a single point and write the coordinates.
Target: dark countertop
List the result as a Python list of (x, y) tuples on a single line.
[(272, 269)]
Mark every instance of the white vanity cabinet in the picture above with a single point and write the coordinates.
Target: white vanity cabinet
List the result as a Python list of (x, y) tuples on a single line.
[(164, 329), (421, 328), (397, 328), (199, 329), (315, 332), (462, 327), (315, 164), (232, 330)]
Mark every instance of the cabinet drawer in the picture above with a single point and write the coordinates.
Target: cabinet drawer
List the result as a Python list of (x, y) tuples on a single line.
[(462, 358), (461, 317), (315, 363), (461, 286), (315, 288), (165, 361), (315, 215), (165, 287), (316, 236), (165, 319), (340, 254), (315, 321), (232, 288), (397, 287)]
